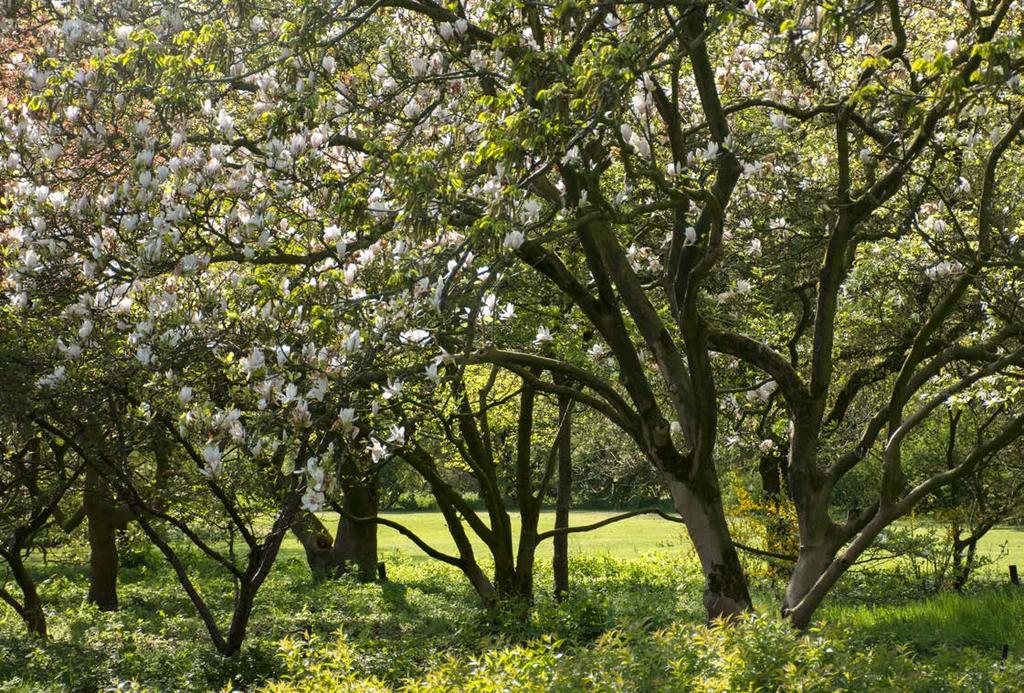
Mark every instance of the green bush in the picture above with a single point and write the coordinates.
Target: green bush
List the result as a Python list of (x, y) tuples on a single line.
[(756, 654)]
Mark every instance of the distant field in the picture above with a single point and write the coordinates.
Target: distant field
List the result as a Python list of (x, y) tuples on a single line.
[(629, 538), (625, 539)]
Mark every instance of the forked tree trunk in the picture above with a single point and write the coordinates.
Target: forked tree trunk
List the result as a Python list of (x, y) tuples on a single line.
[(356, 542)]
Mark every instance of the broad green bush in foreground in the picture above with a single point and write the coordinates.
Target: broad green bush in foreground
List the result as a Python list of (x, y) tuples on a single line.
[(757, 654), (629, 625)]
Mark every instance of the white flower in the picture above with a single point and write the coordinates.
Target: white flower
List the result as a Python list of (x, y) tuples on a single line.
[(328, 64), (31, 260), (85, 330), (690, 236), (392, 389), (543, 336), (347, 418), (447, 31), (952, 47), (253, 362), (319, 389), (461, 26), (676, 428), (52, 379), (779, 121), (213, 463), (944, 269), (412, 109), (432, 373), (185, 394), (397, 436), (743, 286), (514, 239), (376, 450), (418, 337), (353, 341), (598, 351), (641, 145), (225, 122), (332, 234), (144, 354), (312, 500), (419, 66), (315, 474)]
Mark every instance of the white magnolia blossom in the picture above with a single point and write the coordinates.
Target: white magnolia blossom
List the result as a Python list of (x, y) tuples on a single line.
[(514, 239), (213, 462)]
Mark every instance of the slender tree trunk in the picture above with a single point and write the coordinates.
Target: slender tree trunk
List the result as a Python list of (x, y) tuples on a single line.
[(563, 500), (964, 551), (527, 553), (357, 541), (725, 587), (104, 519), (239, 619), (770, 468), (31, 607), (810, 493)]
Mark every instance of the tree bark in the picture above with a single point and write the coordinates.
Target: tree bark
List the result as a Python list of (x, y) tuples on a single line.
[(357, 541), (31, 607), (318, 544), (563, 500), (104, 519), (725, 586)]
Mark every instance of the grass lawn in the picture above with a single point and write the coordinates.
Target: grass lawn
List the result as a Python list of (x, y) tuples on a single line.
[(626, 539)]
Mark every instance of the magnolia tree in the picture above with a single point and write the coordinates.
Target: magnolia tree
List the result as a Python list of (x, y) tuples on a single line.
[(666, 205)]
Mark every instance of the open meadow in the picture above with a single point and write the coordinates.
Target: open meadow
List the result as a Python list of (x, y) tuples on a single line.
[(634, 609)]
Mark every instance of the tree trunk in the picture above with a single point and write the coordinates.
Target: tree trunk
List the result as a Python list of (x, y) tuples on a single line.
[(811, 562), (357, 541), (964, 554), (563, 500), (770, 469), (801, 612), (523, 587), (104, 519), (317, 542), (725, 587), (239, 620), (31, 607)]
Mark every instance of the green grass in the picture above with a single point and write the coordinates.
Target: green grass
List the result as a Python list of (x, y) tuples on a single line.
[(985, 619), (635, 577), (627, 539)]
